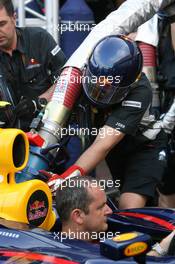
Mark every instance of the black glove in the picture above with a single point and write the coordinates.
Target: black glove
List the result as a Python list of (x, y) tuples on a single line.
[(28, 106)]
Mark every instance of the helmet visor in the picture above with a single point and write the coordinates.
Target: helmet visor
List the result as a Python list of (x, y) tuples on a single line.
[(103, 90)]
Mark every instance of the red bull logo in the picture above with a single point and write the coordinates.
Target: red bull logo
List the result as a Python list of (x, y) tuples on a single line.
[(36, 205), (37, 210)]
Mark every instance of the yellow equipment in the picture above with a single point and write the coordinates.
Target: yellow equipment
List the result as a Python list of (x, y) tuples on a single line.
[(27, 202)]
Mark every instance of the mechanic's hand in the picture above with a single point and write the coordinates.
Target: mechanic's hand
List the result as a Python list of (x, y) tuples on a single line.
[(165, 243), (44, 175), (49, 177), (168, 124), (26, 106), (56, 180), (168, 121)]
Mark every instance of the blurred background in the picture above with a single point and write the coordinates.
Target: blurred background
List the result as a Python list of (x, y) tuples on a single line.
[(68, 21)]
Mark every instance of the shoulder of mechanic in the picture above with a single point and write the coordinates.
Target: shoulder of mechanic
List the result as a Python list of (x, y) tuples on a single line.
[(38, 41), (142, 90), (36, 37), (32, 32)]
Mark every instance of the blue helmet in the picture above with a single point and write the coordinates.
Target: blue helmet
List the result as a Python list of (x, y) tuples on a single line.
[(114, 65)]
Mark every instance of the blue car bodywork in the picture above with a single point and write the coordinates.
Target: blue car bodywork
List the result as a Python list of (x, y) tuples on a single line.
[(17, 239)]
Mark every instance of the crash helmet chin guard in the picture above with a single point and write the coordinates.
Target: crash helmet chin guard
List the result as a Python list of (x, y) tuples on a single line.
[(113, 66)]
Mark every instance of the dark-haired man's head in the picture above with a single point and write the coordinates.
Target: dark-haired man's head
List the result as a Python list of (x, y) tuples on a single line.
[(8, 6), (8, 38), (81, 205)]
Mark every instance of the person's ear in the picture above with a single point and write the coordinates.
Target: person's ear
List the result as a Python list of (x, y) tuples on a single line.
[(14, 17), (77, 216)]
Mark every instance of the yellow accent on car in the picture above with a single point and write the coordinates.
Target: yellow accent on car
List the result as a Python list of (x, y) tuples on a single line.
[(27, 202), (125, 237), (135, 249)]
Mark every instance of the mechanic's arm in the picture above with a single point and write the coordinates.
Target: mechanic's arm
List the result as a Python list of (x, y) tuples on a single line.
[(106, 139), (55, 60), (124, 20)]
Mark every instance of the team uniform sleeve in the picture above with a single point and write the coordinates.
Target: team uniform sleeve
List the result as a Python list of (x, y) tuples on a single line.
[(127, 115), (148, 32), (126, 19)]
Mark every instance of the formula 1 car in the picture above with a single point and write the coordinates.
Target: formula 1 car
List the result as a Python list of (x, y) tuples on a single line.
[(23, 243), (30, 228)]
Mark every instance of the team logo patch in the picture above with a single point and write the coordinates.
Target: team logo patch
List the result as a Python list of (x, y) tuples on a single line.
[(119, 125), (33, 63), (132, 104), (55, 50), (37, 208)]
